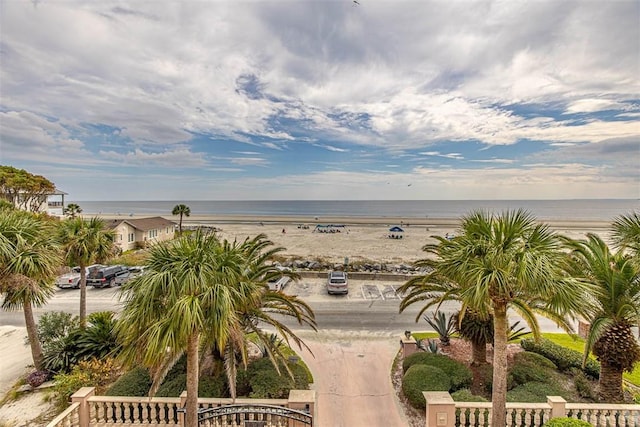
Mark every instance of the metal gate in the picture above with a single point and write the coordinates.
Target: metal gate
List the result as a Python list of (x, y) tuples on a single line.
[(252, 416)]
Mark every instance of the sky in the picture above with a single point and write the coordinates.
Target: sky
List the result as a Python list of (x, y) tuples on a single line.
[(323, 99)]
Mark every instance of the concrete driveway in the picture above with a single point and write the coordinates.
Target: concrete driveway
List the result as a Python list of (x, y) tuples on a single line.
[(352, 378)]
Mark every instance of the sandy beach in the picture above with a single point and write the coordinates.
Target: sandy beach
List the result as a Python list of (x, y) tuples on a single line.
[(361, 239)]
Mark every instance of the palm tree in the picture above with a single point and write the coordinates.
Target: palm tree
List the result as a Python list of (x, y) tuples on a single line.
[(614, 307), (626, 234), (199, 292), (29, 259), (478, 330), (84, 242), (72, 210), (497, 263), (182, 210)]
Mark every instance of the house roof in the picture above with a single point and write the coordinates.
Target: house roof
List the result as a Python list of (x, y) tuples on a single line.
[(142, 224)]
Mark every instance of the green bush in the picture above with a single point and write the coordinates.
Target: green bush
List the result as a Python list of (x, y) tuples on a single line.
[(459, 374), (55, 324), (136, 382), (529, 367), (564, 358), (535, 391), (210, 386), (91, 373), (173, 387), (262, 381), (465, 395), (566, 422), (584, 387), (419, 378)]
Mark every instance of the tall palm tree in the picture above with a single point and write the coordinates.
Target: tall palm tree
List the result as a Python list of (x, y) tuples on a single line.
[(83, 243), (188, 289), (29, 259), (497, 263), (614, 307), (182, 210), (72, 210), (200, 292)]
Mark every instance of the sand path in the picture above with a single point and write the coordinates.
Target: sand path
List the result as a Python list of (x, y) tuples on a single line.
[(352, 379)]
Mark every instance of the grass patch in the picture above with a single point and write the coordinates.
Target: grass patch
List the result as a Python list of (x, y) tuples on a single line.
[(424, 335)]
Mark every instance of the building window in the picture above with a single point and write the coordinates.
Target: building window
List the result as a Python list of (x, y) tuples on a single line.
[(153, 233), (131, 238)]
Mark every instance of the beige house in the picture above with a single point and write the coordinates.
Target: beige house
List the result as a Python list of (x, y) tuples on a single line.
[(141, 232)]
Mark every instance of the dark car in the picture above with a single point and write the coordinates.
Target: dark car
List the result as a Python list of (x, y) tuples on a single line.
[(107, 276)]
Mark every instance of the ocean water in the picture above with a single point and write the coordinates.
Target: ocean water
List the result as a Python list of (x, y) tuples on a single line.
[(592, 209)]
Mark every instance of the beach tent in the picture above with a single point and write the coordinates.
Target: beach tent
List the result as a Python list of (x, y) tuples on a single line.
[(396, 232)]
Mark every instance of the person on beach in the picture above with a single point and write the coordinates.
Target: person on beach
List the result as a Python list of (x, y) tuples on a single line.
[(283, 231)]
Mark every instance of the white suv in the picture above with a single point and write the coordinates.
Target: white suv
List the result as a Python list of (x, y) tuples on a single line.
[(337, 283)]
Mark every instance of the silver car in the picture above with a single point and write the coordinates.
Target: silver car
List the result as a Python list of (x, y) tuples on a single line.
[(337, 283)]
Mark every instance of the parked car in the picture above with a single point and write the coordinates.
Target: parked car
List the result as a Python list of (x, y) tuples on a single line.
[(279, 284), (107, 276), (72, 279), (337, 283), (135, 271)]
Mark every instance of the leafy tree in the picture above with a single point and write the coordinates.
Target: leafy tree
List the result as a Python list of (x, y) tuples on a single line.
[(72, 210), (182, 210), (614, 307), (23, 189), (497, 263), (84, 242), (29, 259)]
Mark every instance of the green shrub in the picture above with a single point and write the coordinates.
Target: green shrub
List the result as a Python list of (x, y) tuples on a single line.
[(55, 324), (136, 382), (465, 395), (210, 386), (268, 384), (584, 387), (535, 391), (529, 367), (91, 373), (459, 374), (564, 358), (173, 387), (419, 378), (566, 422), (534, 359)]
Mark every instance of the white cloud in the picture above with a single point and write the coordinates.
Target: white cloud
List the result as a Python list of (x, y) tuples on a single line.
[(177, 158)]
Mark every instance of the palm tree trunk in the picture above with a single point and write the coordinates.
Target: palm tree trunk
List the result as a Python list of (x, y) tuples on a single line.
[(478, 352), (32, 333), (192, 380), (499, 394), (610, 383), (83, 297), (180, 225)]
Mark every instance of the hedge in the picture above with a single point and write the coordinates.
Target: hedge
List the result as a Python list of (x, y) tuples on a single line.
[(459, 374), (564, 358), (465, 395), (535, 391), (419, 378), (208, 386), (529, 366), (136, 382), (566, 422)]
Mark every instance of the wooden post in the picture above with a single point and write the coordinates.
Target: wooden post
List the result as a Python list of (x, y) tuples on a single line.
[(441, 409), (81, 396), (558, 406)]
